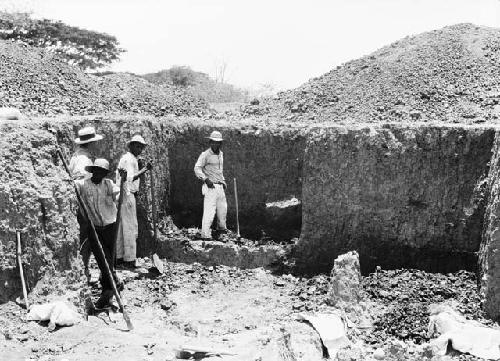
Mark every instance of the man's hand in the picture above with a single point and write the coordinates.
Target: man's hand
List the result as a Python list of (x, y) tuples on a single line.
[(209, 183), (149, 166), (123, 173)]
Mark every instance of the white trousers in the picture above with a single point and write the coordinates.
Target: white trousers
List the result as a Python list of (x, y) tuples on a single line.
[(126, 245), (214, 202)]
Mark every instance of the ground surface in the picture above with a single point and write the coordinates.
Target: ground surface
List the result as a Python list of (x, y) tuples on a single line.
[(245, 312)]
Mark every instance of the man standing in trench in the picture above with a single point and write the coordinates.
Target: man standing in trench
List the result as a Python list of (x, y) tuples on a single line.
[(126, 244), (81, 159), (209, 168), (99, 194)]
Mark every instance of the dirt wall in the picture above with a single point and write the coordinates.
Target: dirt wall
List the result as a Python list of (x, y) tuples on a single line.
[(36, 199), (489, 254), (267, 164), (401, 196)]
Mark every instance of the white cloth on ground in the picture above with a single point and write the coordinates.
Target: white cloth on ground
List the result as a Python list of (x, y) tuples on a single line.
[(59, 314), (214, 202), (126, 245), (210, 165), (464, 335), (78, 162)]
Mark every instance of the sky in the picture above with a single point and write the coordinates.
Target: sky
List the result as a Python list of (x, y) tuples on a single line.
[(279, 42)]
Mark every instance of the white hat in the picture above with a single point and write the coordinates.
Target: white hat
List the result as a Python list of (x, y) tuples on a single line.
[(215, 136), (98, 163), (87, 135), (138, 139)]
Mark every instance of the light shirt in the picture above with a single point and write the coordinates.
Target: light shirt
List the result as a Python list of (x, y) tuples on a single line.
[(78, 162), (210, 165), (99, 199), (128, 161)]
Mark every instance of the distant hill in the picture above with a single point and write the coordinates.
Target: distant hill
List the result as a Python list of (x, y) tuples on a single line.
[(198, 83), (451, 74)]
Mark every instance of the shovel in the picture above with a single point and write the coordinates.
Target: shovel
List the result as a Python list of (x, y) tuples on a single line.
[(157, 263), (21, 272)]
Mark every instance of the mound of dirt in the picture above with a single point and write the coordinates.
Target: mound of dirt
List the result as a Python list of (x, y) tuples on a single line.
[(39, 83), (449, 75)]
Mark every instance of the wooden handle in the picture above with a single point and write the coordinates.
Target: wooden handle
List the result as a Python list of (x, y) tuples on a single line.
[(21, 271), (236, 203)]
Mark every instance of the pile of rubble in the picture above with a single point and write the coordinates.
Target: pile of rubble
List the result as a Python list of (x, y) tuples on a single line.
[(407, 294), (38, 83), (444, 75)]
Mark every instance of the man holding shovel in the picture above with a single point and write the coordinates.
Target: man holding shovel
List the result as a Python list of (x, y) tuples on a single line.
[(99, 194), (82, 158), (126, 244), (209, 168)]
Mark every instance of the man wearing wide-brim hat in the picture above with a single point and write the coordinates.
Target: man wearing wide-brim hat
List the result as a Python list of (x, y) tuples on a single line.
[(99, 194), (83, 155), (209, 168), (128, 230), (82, 158)]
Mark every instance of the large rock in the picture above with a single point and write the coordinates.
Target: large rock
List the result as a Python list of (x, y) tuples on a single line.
[(345, 284)]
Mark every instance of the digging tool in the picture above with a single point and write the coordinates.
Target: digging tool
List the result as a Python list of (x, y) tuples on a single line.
[(236, 203), (123, 177), (100, 251), (188, 352), (21, 272), (157, 263)]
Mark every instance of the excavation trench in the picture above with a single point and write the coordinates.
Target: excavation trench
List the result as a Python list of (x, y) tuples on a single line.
[(402, 195)]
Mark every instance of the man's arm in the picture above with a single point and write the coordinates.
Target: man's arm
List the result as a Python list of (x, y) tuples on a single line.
[(198, 170)]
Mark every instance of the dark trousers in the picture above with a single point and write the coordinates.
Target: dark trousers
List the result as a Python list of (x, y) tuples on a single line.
[(85, 249), (106, 236)]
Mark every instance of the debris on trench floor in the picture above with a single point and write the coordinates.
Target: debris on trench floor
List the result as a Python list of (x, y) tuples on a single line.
[(251, 313)]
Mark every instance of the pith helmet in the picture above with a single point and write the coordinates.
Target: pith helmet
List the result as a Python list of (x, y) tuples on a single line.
[(138, 139), (98, 163), (216, 136)]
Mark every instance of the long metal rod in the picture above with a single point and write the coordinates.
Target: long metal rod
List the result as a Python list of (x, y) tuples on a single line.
[(236, 203), (21, 272), (100, 250)]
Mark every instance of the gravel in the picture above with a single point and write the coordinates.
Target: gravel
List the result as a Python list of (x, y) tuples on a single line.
[(448, 75), (39, 83)]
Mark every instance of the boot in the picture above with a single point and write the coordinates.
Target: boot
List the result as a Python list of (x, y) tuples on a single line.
[(103, 301)]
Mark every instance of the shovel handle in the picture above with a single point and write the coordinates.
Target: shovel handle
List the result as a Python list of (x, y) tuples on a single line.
[(236, 203), (21, 271)]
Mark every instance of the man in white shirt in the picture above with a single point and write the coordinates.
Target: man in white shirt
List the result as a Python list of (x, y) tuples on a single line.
[(209, 168), (82, 158), (126, 246), (99, 194)]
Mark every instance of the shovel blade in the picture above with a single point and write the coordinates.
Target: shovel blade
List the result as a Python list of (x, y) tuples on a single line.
[(157, 263)]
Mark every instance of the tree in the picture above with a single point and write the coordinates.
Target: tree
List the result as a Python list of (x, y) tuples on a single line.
[(84, 48)]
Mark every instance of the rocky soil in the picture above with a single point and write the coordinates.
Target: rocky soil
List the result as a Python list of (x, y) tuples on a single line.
[(251, 313), (38, 83), (443, 75)]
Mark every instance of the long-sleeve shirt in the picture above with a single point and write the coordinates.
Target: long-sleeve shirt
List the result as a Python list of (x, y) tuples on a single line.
[(129, 162), (210, 165), (78, 162), (99, 199)]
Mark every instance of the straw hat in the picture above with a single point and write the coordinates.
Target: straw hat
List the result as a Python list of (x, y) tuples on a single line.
[(216, 136), (98, 163), (87, 135)]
